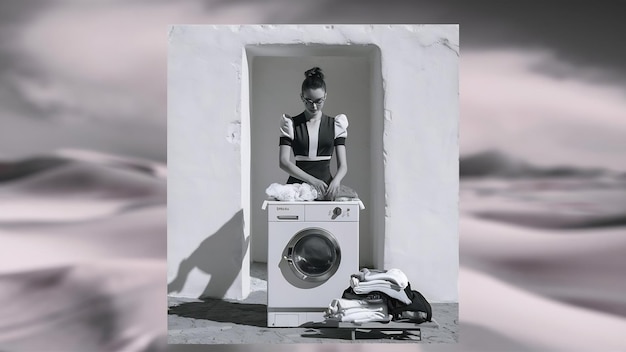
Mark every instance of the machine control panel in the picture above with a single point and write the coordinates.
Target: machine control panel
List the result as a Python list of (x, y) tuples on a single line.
[(333, 212), (314, 211), (286, 212)]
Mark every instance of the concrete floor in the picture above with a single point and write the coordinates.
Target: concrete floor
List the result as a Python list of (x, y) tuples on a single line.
[(216, 321)]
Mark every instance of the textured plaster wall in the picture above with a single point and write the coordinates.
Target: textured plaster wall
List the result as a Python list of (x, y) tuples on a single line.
[(208, 163)]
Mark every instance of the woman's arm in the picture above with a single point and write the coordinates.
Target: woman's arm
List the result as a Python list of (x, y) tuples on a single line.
[(342, 170), (342, 163), (288, 166)]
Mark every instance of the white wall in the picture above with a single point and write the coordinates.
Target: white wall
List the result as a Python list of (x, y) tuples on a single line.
[(207, 115)]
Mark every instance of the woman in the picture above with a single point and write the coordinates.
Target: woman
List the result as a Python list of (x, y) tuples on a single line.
[(312, 136)]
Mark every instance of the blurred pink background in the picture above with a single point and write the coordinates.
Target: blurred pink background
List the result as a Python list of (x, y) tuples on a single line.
[(83, 169)]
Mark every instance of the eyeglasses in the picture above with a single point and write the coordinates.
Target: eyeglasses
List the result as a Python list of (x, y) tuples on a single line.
[(316, 102)]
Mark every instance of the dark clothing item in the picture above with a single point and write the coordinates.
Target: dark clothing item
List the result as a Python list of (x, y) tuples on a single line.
[(313, 143), (318, 169)]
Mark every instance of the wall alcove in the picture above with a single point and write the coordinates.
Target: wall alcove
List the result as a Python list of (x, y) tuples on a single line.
[(354, 87)]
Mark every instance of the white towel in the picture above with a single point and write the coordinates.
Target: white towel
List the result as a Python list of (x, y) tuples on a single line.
[(364, 316), (379, 285), (357, 311), (338, 305), (393, 275), (344, 304)]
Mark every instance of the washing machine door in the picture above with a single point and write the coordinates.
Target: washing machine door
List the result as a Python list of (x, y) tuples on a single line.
[(313, 255)]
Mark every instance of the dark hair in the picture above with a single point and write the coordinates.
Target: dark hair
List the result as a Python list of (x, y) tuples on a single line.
[(314, 79)]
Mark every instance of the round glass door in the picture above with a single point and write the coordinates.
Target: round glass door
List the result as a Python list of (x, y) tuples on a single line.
[(313, 255)]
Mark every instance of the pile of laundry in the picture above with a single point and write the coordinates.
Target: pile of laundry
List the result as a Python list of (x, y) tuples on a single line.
[(381, 296), (306, 192), (356, 310), (292, 192)]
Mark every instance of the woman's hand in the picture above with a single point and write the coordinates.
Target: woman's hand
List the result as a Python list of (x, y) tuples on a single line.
[(320, 186), (332, 190)]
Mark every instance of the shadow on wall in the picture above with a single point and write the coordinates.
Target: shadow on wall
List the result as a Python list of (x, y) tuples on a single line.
[(219, 255)]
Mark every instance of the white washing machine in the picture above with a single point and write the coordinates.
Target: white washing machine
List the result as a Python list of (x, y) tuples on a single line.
[(313, 248)]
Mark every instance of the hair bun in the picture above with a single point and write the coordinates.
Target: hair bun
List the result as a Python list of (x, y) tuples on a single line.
[(314, 72)]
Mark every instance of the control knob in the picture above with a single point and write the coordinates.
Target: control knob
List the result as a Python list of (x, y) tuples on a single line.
[(336, 212)]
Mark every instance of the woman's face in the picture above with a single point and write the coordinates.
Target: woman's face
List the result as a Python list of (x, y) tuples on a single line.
[(313, 99)]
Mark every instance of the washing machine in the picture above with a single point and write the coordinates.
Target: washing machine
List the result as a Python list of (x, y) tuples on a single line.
[(313, 248)]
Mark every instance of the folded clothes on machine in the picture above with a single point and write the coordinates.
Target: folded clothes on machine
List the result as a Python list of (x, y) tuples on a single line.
[(306, 192), (346, 193), (291, 192)]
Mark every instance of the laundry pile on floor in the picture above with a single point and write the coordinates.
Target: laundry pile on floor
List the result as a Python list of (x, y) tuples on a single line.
[(356, 310), (379, 295), (305, 192)]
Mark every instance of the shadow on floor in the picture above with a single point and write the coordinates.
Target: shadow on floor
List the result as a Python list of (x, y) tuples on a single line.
[(223, 311)]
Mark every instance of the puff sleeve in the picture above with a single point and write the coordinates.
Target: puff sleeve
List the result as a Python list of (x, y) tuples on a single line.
[(286, 130), (341, 129)]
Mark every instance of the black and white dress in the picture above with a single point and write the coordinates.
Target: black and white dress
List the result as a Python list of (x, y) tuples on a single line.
[(313, 143)]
